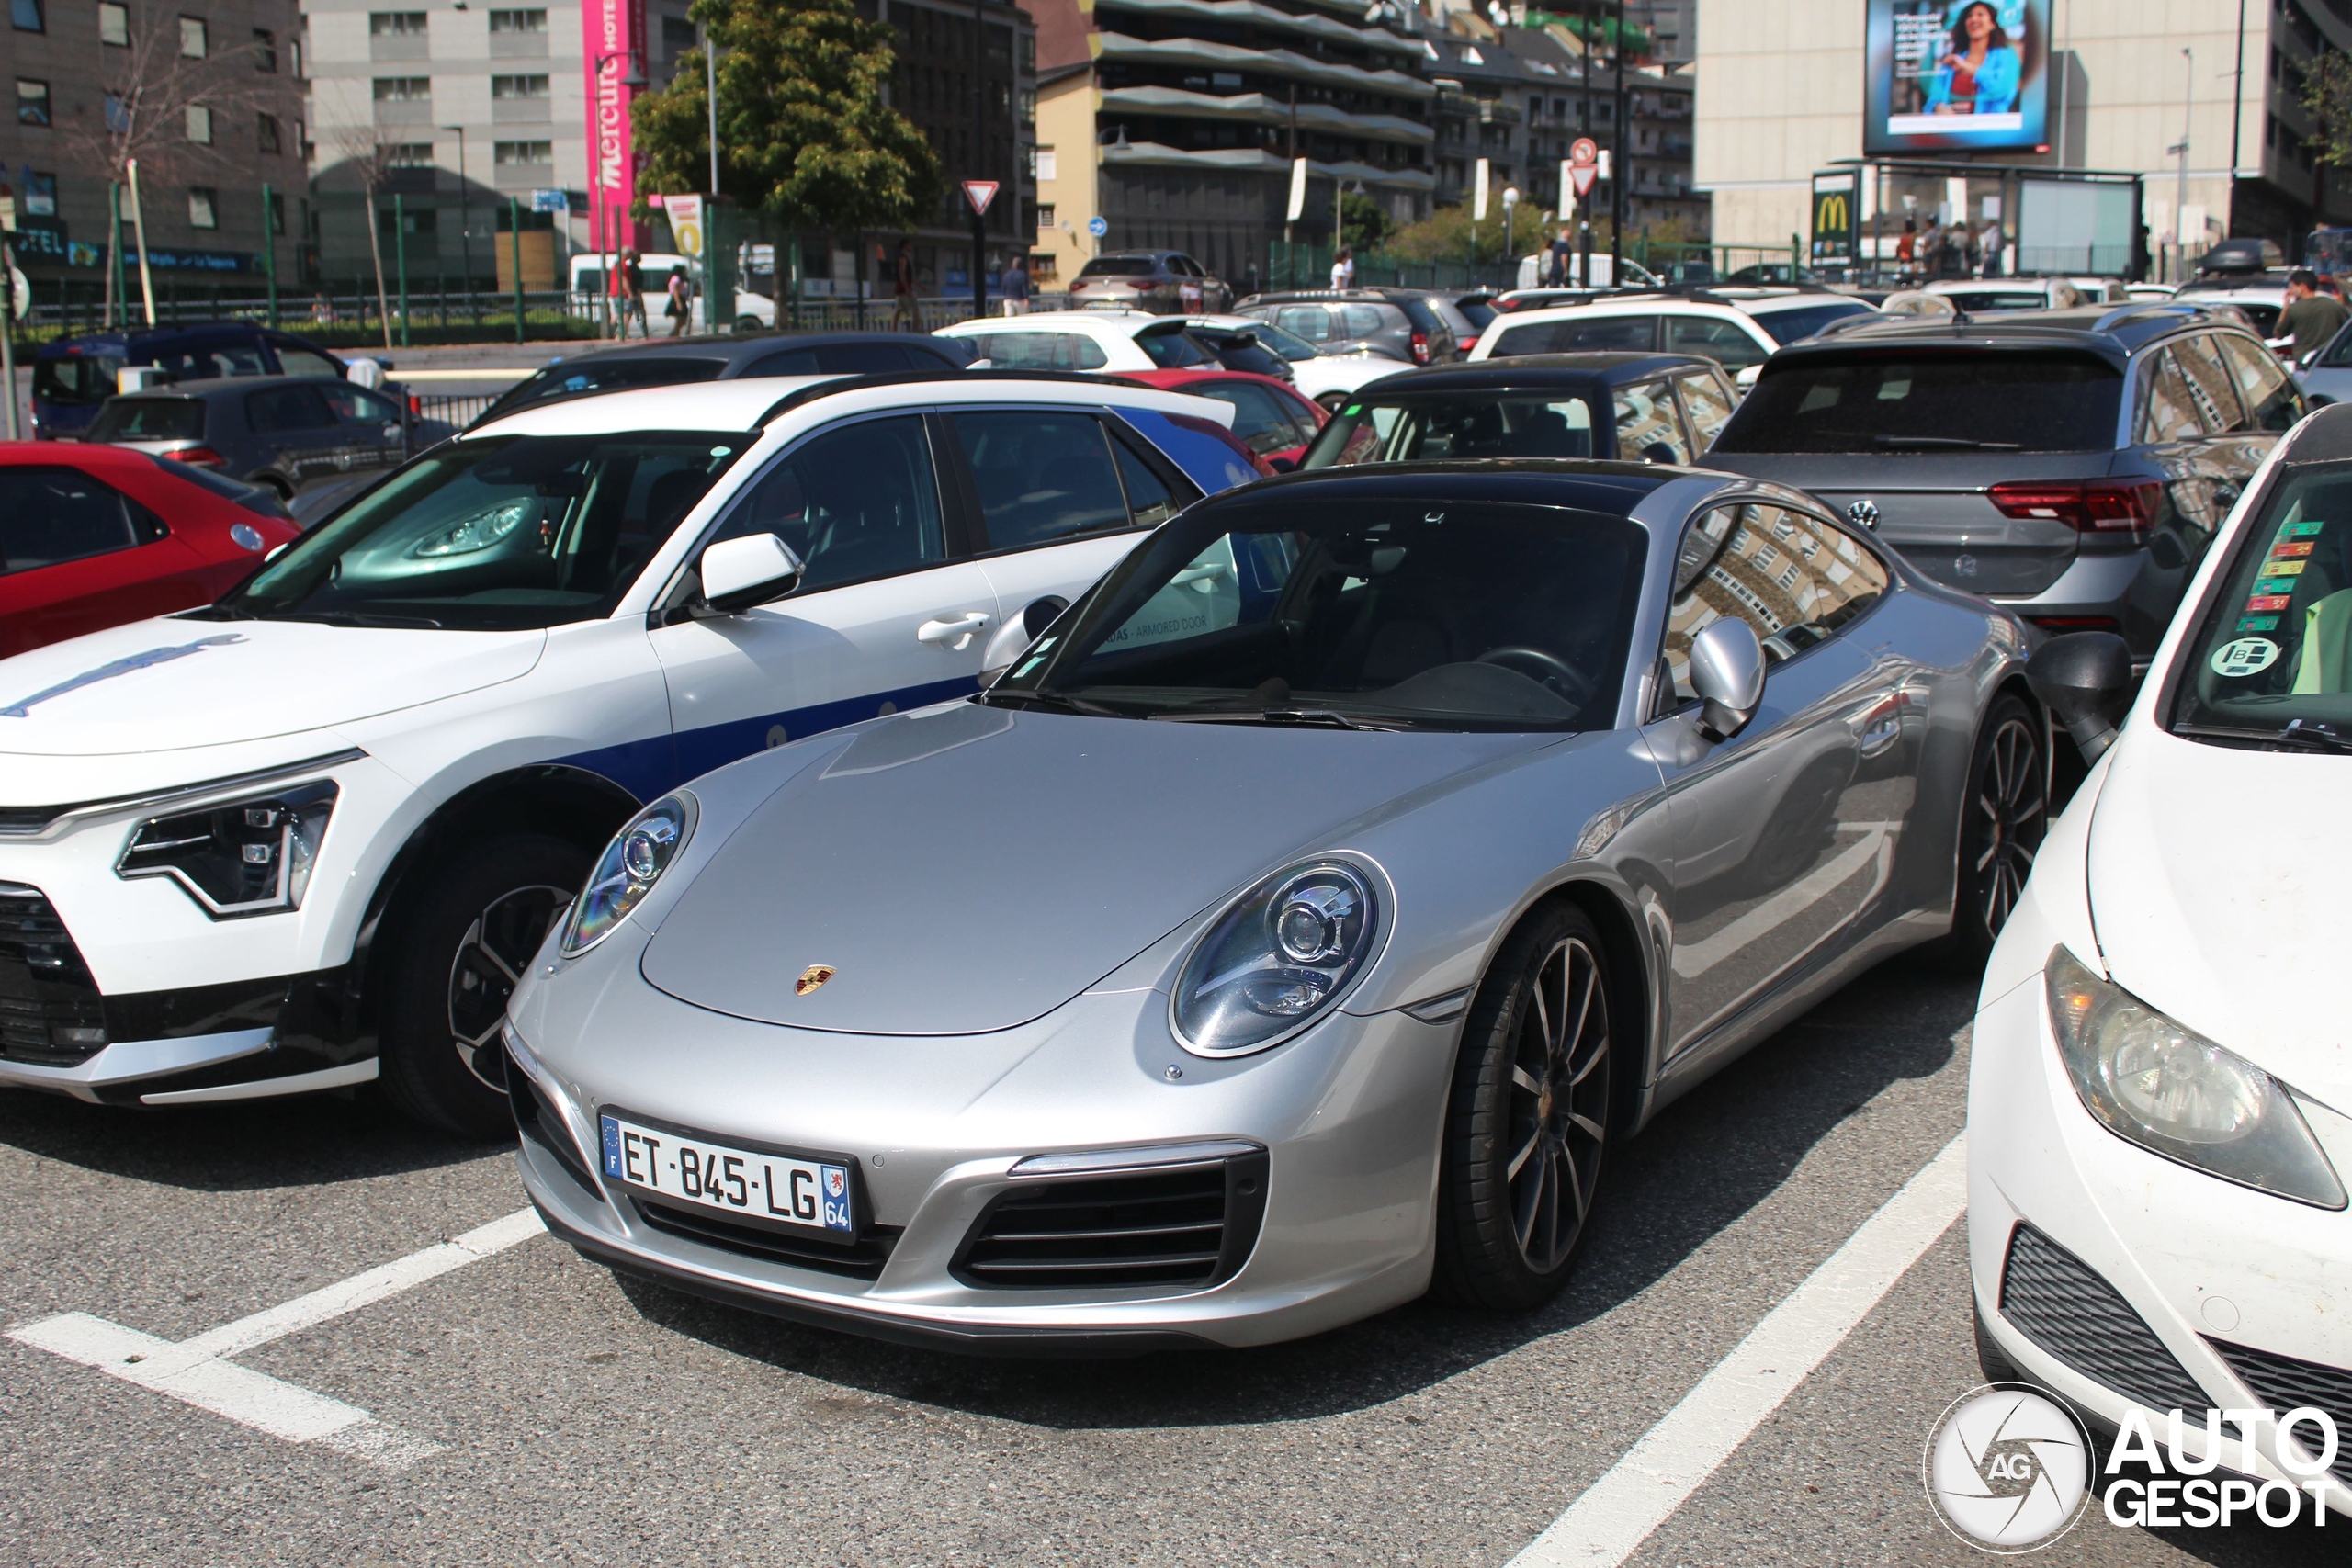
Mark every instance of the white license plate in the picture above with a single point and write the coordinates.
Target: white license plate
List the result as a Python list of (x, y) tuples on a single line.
[(813, 1194)]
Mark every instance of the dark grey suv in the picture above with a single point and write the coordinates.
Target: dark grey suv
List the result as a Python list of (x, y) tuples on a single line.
[(2071, 465), (1411, 324)]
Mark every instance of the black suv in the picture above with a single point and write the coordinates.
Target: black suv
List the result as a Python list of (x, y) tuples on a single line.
[(2071, 465), (1411, 324)]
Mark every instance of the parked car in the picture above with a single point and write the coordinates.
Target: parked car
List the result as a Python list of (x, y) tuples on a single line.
[(286, 433), (1479, 307), (1323, 375), (1607, 272), (750, 312), (2158, 1143), (1738, 328), (1978, 296), (92, 537), (480, 669), (1237, 344), (1772, 275), (1235, 1076), (2324, 375), (1657, 407), (1412, 325), (1166, 283), (2261, 294), (1114, 341), (71, 377), (1268, 415), (671, 362), (2071, 465)]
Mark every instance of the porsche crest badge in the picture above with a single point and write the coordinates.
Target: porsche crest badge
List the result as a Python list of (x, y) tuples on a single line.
[(811, 977)]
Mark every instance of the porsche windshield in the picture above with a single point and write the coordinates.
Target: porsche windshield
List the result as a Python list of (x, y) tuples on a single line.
[(1375, 612), (499, 534), (2274, 653)]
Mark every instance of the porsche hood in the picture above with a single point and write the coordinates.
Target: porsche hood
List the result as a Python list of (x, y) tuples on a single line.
[(970, 869)]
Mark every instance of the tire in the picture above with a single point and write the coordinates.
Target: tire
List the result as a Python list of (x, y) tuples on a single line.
[(460, 951), (2003, 818), (1527, 1124), (748, 325)]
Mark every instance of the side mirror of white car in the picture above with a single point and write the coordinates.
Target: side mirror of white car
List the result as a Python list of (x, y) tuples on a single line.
[(740, 573), (1727, 674), (1745, 379)]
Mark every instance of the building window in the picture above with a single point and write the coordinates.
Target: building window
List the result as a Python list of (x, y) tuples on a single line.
[(523, 152), (518, 87), (267, 129), (403, 89), (118, 113), (114, 24), (193, 42), (396, 24), (1045, 163), (26, 16), (277, 213), (1028, 54), (41, 194), (1028, 105), (533, 21), (1045, 215), (32, 102), (200, 124), (408, 156), (266, 51), (677, 36), (203, 207)]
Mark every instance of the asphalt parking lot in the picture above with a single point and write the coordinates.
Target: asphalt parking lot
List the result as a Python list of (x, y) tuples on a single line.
[(525, 1407)]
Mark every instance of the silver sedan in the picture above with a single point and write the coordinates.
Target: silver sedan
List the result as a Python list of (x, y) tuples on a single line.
[(1296, 926)]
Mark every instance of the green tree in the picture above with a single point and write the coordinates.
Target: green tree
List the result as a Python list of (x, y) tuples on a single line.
[(2328, 98), (1445, 236), (1364, 222), (803, 131)]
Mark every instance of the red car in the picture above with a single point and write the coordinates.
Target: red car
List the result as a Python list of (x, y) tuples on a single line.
[(1270, 419), (93, 536)]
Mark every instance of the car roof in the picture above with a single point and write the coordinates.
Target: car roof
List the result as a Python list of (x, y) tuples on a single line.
[(1587, 484), (1085, 323), (730, 349), (1623, 305), (749, 403), (1588, 368), (213, 385), (166, 336), (2115, 332)]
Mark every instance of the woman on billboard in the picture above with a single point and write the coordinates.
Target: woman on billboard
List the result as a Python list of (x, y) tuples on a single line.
[(1979, 74)]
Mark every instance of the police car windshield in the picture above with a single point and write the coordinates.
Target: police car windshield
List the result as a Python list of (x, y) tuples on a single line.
[(507, 534), (2274, 653)]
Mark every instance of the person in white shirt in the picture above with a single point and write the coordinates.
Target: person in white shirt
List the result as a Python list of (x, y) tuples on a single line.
[(1343, 269)]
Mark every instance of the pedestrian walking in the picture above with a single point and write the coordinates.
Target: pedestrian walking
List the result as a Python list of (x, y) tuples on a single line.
[(903, 311), (1343, 269), (2311, 320), (1015, 286), (1906, 253), (681, 309), (632, 295), (1556, 269)]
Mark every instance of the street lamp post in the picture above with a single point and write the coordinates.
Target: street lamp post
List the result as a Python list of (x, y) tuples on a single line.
[(465, 231), (2180, 149)]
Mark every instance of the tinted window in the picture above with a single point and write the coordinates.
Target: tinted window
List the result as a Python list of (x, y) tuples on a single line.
[(2269, 397), (357, 405), (1118, 266), (51, 515), (296, 360), (2028, 401), (1648, 425), (1787, 326), (502, 533), (1726, 342), (1362, 321), (76, 380), (1400, 429), (223, 359), (149, 419), (1173, 350), (1477, 312), (601, 375), (1792, 577), (1312, 322), (1150, 501), (1240, 351), (861, 358), (1042, 476), (1041, 351), (1260, 420), (278, 411), (2276, 645), (854, 503), (1575, 334), (792, 362), (1707, 403), (2178, 408)]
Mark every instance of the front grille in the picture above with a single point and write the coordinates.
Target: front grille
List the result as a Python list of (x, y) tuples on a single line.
[(1189, 1226), (2284, 1383), (2061, 1303), (50, 1013), (860, 1260)]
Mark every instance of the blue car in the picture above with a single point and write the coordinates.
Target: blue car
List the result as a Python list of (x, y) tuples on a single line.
[(72, 377)]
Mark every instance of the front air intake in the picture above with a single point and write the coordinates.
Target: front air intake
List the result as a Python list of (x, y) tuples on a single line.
[(2061, 1303), (1175, 1225), (2284, 1383)]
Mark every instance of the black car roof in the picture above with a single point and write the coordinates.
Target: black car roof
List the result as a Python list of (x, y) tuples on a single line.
[(2113, 331), (731, 349), (1589, 484), (213, 386), (1612, 367)]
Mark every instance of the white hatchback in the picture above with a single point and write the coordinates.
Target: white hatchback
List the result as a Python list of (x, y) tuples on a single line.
[(1107, 340), (1738, 328), (2160, 1086), (314, 833)]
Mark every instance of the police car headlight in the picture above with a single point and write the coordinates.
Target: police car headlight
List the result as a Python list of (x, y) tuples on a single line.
[(627, 870), (248, 856)]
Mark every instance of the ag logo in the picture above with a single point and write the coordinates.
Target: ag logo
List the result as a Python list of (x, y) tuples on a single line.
[(811, 977), (2007, 1468)]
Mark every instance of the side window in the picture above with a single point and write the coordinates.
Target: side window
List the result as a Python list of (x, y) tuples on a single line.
[(2172, 412), (1150, 501), (1173, 350), (2209, 383), (1793, 577), (357, 405), (1042, 351), (1312, 322), (1042, 476), (2269, 397), (299, 361), (1359, 321), (281, 410), (1258, 418), (51, 515), (1647, 422), (1634, 333), (860, 358), (1725, 343), (794, 362), (855, 502), (1707, 402)]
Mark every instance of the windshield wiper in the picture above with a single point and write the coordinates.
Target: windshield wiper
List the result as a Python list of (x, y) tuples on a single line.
[(2317, 735), (1323, 719), (1017, 697), (1954, 443), (360, 618)]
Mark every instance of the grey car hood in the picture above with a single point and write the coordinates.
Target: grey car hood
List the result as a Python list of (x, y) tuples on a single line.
[(971, 869)]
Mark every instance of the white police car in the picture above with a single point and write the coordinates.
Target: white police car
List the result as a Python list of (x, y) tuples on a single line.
[(311, 834)]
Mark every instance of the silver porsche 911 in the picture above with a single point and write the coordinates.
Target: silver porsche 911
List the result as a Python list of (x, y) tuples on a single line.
[(1293, 927)]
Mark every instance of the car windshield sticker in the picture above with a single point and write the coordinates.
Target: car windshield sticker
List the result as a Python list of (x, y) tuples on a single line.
[(134, 663), (2257, 623), (2247, 656)]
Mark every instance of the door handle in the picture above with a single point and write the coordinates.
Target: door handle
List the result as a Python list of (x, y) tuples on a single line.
[(958, 633)]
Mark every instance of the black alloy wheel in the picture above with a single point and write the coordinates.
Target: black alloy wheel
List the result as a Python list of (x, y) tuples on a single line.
[(490, 960), (1528, 1127), (2002, 822)]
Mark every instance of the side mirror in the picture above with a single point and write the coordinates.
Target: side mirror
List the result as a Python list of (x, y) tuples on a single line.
[(1011, 640), (1727, 672), (738, 573), (1659, 452), (1745, 379), (2086, 680)]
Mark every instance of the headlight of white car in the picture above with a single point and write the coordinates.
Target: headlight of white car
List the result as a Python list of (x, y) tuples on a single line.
[(627, 870), (248, 856), (2173, 1091), (1276, 961)]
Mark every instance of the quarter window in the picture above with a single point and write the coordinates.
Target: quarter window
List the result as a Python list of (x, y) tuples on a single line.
[(51, 515), (1042, 476), (2172, 413), (2209, 383), (1259, 421), (1647, 426), (854, 503), (1793, 577), (1707, 403)]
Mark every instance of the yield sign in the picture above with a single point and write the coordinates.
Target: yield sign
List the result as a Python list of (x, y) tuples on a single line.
[(979, 193), (1584, 164)]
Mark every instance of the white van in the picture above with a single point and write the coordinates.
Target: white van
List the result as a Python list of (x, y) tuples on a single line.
[(656, 267)]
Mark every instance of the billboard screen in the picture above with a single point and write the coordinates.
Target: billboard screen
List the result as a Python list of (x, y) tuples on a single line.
[(1956, 77)]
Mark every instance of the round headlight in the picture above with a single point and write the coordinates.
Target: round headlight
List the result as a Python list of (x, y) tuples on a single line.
[(627, 870), (1275, 960)]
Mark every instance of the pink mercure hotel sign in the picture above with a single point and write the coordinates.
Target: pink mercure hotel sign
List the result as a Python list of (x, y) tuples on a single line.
[(614, 31)]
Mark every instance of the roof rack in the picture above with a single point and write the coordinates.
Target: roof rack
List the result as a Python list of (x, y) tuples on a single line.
[(800, 397)]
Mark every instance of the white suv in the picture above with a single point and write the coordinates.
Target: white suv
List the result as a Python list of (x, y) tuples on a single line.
[(1738, 328), (312, 834)]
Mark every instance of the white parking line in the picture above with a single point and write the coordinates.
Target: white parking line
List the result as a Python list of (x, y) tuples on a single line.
[(1617, 1513), (197, 1372)]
